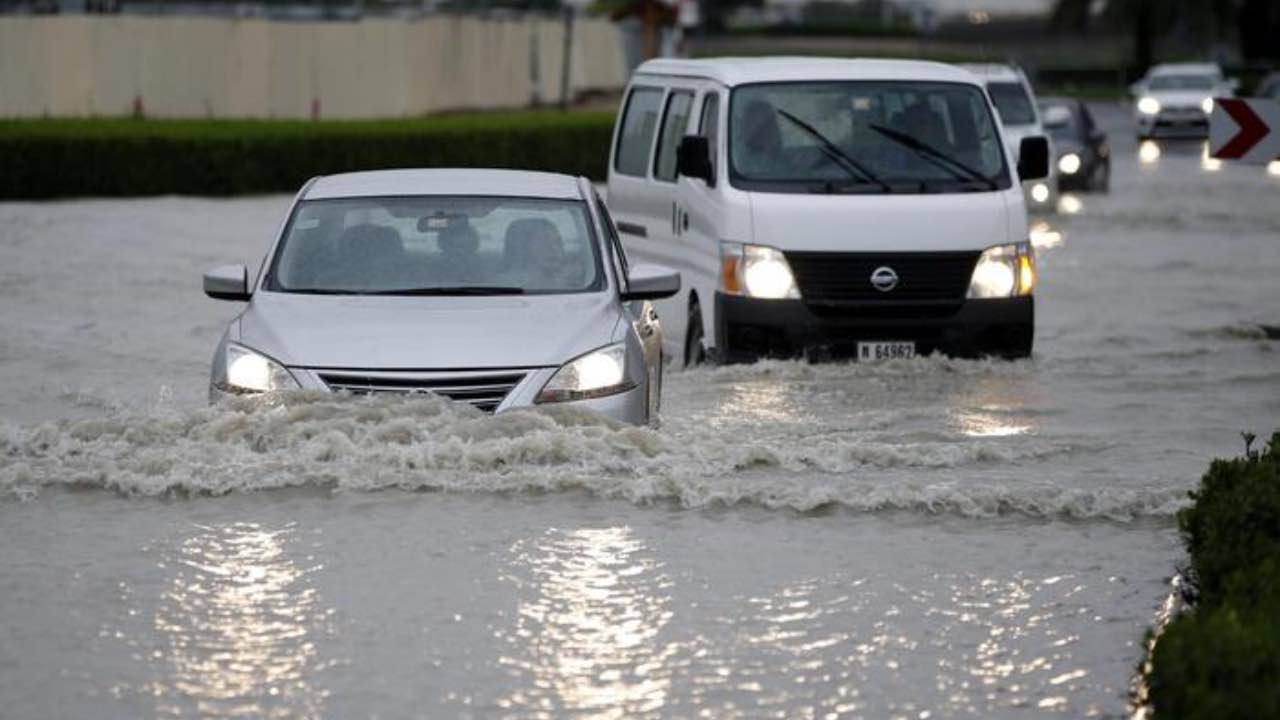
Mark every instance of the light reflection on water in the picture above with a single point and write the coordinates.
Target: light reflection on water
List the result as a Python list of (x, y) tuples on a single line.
[(238, 617), (586, 638)]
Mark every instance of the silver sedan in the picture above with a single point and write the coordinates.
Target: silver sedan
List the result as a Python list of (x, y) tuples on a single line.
[(500, 289)]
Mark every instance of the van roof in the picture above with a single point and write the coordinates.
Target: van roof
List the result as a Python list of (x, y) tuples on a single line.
[(731, 71), (452, 181), (994, 71), (1186, 69)]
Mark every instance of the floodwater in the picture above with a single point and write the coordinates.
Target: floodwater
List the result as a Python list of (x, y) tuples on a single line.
[(919, 539)]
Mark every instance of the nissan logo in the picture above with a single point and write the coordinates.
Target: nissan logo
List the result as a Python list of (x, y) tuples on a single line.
[(884, 278)]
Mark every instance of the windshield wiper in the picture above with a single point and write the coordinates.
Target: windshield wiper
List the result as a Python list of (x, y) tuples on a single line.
[(834, 152), (938, 157), (450, 290)]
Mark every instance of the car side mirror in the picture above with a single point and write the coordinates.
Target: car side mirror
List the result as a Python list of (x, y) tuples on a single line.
[(228, 282), (1033, 158), (651, 282), (1138, 88), (1234, 84), (693, 159)]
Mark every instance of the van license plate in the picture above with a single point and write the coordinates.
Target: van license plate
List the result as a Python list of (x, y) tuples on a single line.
[(873, 351)]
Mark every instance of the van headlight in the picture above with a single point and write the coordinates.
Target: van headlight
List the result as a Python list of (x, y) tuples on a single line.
[(1149, 106), (597, 374), (244, 371), (756, 271), (1004, 271)]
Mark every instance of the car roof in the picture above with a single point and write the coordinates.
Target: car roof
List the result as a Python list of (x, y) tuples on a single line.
[(451, 181), (731, 71), (1056, 100), (1186, 69), (994, 71)]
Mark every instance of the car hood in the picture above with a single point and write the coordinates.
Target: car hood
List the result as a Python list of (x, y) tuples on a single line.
[(880, 223), (382, 333)]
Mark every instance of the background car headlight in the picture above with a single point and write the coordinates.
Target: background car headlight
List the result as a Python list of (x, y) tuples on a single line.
[(597, 374), (1069, 164), (756, 271), (1148, 106), (245, 371), (1004, 271)]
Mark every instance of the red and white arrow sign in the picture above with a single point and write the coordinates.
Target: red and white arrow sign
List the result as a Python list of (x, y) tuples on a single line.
[(1245, 129)]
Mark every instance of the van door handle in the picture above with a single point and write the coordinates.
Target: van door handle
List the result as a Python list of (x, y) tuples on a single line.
[(675, 223)]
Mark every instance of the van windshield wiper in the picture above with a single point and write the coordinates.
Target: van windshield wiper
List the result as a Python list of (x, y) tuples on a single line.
[(958, 169), (833, 151), (450, 290)]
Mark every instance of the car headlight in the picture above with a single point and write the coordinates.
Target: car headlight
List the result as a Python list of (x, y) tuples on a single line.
[(597, 374), (1040, 192), (1148, 106), (756, 271), (1004, 271), (245, 371), (1207, 105), (1069, 164)]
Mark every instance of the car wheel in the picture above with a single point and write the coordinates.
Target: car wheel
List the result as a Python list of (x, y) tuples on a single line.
[(695, 351)]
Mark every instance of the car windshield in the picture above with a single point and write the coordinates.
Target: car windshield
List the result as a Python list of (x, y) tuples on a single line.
[(435, 245), (1059, 120), (863, 137), (1181, 82), (1013, 103)]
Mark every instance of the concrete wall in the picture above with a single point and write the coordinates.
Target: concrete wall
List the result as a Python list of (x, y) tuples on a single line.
[(218, 67)]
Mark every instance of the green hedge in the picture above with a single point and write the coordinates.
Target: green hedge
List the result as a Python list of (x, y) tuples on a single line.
[(70, 158), (1222, 660)]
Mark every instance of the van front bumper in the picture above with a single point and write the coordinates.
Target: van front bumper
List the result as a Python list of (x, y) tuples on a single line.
[(748, 329)]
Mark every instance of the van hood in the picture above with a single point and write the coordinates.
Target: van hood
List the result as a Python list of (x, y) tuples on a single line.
[(420, 333), (1190, 99), (880, 223)]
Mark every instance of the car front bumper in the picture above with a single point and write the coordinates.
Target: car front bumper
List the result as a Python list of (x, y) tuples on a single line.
[(749, 328), (630, 406), (1170, 124)]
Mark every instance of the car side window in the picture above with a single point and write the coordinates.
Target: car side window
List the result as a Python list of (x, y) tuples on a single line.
[(674, 122), (635, 136), (709, 126), (616, 254)]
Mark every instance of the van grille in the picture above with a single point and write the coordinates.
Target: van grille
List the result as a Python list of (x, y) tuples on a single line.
[(844, 279), (484, 390)]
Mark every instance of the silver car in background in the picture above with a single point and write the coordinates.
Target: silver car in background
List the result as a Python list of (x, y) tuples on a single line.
[(496, 288)]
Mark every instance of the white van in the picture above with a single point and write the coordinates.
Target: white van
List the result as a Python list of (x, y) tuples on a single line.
[(826, 208), (1019, 114)]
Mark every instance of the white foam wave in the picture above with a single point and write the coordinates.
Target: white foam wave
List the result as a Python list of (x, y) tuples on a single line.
[(318, 440)]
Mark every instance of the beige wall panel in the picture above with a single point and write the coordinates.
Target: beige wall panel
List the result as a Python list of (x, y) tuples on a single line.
[(225, 67)]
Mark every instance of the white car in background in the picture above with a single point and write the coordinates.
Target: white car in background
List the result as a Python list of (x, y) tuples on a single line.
[(1174, 100), (1016, 104)]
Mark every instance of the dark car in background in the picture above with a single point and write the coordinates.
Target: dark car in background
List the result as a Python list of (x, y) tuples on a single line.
[(1269, 87), (1083, 157)]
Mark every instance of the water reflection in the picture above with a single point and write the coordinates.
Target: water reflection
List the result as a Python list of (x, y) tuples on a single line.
[(994, 407), (1044, 236), (586, 640), (1070, 204), (1208, 162), (1273, 168), (239, 620), (1148, 152)]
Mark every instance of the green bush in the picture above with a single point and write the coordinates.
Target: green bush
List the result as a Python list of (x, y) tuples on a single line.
[(100, 157), (1222, 660)]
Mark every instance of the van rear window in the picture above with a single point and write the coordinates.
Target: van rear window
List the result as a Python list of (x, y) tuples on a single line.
[(635, 138)]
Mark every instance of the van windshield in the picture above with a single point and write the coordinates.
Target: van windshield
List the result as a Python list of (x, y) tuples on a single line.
[(864, 137), (1012, 101), (437, 245)]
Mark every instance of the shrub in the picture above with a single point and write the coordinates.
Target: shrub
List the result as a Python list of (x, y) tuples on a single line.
[(67, 158), (1222, 660)]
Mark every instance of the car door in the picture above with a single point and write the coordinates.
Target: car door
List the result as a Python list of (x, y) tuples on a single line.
[(641, 313)]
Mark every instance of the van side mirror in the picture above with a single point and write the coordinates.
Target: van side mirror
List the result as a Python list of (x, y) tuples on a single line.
[(229, 282), (651, 282), (1033, 158), (693, 159)]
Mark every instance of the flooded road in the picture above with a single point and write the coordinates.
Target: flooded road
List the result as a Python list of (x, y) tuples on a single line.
[(925, 538)]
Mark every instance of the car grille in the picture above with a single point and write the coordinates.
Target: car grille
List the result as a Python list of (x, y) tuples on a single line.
[(835, 281), (484, 390)]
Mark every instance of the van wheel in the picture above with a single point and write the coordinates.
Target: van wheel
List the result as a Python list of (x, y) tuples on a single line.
[(695, 352)]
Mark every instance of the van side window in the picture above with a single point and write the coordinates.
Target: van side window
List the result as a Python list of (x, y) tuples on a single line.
[(709, 126), (636, 136), (674, 122)]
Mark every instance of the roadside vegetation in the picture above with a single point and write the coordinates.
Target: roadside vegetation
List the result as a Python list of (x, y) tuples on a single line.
[(50, 158), (1222, 659)]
